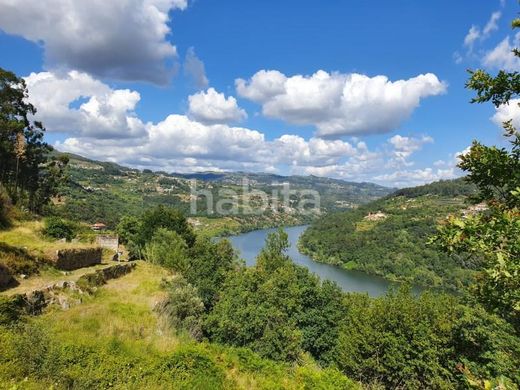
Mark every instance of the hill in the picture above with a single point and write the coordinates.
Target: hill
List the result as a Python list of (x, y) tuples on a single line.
[(388, 237), (105, 191)]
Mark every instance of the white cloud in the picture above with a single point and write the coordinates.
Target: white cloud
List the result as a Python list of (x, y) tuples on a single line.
[(101, 123), (492, 23), (405, 178), (121, 39), (476, 34), (339, 104), (100, 111), (404, 147), (502, 57), (505, 112), (195, 69), (213, 107), (470, 38)]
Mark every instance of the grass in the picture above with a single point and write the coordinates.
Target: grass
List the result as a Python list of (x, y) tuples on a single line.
[(123, 309), (27, 235), (115, 339)]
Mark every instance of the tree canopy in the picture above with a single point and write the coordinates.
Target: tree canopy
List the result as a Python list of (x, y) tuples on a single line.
[(28, 173)]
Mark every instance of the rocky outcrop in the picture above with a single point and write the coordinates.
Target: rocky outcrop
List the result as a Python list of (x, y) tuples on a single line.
[(70, 259)]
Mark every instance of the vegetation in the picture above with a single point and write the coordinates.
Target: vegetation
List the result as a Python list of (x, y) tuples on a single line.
[(193, 316), (59, 228), (113, 339), (106, 192), (493, 237), (388, 237), (27, 173), (432, 341)]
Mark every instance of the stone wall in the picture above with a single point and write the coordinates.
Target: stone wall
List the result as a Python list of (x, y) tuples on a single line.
[(35, 302), (5, 276), (101, 276), (108, 242), (69, 259)]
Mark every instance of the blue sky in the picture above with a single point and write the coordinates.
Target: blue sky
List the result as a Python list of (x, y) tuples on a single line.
[(359, 90)]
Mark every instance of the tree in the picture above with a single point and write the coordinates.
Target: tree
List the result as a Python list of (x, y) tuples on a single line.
[(277, 308), (27, 172), (430, 341), (168, 249), (493, 236), (164, 217), (209, 265)]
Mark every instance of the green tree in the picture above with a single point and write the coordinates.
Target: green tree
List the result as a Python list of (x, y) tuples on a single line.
[(430, 341), (277, 308), (59, 228), (493, 236), (168, 249), (209, 265), (27, 171), (128, 230), (168, 218)]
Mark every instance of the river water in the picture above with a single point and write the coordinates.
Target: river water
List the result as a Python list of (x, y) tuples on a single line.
[(249, 245)]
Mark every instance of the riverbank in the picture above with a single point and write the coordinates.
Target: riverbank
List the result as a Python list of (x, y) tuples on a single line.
[(249, 245)]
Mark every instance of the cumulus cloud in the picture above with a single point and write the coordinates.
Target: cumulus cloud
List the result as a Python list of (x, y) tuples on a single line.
[(118, 39), (76, 103), (502, 57), (213, 107), (506, 112), (405, 178), (404, 147), (101, 123), (339, 104), (194, 68)]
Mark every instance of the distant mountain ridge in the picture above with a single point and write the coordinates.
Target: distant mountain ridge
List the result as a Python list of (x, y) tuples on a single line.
[(105, 191)]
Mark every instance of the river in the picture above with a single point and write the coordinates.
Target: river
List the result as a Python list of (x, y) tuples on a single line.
[(249, 245)]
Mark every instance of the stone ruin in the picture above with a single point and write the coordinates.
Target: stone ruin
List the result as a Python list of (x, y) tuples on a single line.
[(108, 242), (70, 259)]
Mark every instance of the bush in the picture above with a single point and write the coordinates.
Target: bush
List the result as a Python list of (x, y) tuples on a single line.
[(431, 341), (59, 228), (183, 308), (168, 249), (10, 310)]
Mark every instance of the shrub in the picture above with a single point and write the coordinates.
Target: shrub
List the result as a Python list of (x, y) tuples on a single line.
[(168, 249), (183, 308), (59, 228)]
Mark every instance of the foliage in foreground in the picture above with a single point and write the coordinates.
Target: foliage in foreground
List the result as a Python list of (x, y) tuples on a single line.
[(27, 172), (493, 236)]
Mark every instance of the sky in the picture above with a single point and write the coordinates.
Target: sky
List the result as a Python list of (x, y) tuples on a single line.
[(360, 90)]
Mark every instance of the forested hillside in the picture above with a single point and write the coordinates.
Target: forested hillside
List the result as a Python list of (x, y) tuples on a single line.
[(104, 191), (389, 237)]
